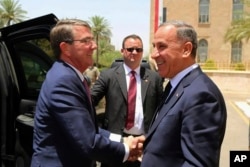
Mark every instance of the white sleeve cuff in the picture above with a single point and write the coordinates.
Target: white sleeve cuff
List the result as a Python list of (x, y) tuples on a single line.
[(115, 137), (126, 152)]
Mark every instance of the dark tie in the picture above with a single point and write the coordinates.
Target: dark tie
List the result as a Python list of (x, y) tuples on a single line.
[(163, 99), (165, 94), (167, 90), (131, 101), (85, 83)]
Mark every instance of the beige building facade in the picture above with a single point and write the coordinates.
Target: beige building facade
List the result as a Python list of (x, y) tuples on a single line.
[(211, 28)]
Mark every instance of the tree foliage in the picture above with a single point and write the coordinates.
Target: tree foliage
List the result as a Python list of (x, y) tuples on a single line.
[(11, 12), (104, 47), (240, 28), (107, 58), (102, 33)]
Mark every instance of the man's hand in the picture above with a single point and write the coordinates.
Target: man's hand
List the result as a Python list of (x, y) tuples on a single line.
[(135, 146)]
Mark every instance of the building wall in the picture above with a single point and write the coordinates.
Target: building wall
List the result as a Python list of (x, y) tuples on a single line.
[(219, 21), (231, 81)]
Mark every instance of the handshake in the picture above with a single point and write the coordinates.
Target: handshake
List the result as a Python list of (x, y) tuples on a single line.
[(135, 145)]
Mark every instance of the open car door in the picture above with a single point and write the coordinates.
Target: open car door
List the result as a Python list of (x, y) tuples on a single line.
[(25, 58)]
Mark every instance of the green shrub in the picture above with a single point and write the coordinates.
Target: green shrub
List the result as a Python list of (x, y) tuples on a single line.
[(239, 67), (209, 65)]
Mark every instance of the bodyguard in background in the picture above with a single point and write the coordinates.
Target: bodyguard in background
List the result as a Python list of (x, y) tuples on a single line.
[(114, 84), (189, 127)]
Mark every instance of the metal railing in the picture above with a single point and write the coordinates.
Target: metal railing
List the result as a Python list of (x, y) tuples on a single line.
[(225, 66)]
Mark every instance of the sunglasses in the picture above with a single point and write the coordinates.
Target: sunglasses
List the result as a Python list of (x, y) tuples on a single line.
[(136, 49)]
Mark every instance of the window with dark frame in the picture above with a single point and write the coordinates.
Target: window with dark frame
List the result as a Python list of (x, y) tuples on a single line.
[(202, 51), (237, 10), (236, 52), (204, 11)]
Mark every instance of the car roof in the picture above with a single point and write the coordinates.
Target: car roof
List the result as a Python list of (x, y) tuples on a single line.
[(119, 61), (49, 19)]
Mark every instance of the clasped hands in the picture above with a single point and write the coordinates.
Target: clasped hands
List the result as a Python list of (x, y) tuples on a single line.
[(135, 147)]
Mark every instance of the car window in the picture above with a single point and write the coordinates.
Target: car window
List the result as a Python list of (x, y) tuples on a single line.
[(34, 71), (36, 58)]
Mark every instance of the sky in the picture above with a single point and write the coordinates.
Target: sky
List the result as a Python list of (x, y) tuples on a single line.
[(125, 17)]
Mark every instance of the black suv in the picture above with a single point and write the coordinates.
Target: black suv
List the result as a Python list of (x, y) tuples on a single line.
[(25, 58)]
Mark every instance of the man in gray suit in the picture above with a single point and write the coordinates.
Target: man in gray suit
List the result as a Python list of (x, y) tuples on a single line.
[(114, 85)]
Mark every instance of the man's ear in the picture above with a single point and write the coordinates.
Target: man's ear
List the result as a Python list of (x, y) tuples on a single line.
[(122, 50), (188, 46), (64, 48)]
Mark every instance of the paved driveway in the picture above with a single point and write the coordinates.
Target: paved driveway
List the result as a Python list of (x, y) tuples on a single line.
[(237, 132)]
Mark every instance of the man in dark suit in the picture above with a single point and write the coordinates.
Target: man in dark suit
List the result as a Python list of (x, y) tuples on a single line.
[(189, 126), (65, 128), (114, 84)]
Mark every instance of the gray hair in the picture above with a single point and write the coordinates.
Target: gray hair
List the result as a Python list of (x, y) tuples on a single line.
[(185, 33)]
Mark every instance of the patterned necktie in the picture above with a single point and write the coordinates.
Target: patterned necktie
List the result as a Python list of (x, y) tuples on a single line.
[(85, 83), (93, 115), (131, 101)]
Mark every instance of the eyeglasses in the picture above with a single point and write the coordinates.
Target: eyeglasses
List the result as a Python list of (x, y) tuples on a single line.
[(87, 40), (132, 49)]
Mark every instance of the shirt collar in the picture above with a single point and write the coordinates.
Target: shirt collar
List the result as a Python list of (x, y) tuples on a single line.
[(128, 70), (175, 80), (77, 71)]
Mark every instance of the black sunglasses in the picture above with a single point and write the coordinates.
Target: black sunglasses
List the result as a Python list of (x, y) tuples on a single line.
[(132, 49)]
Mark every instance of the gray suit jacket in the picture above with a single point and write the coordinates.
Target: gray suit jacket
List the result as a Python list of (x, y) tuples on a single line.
[(112, 84), (190, 126)]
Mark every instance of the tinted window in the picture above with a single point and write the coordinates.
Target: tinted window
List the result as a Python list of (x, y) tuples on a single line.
[(36, 58)]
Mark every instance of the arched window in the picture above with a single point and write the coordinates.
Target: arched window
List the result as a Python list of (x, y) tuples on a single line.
[(204, 11), (237, 9), (236, 52), (202, 51)]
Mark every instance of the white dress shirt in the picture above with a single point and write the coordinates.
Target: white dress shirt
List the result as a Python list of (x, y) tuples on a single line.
[(138, 127)]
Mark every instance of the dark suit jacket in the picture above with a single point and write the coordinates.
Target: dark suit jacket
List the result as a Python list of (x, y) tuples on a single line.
[(112, 84), (190, 126), (65, 131)]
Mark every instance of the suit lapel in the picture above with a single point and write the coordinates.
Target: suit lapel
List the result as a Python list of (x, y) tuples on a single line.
[(121, 78), (173, 98), (91, 108), (170, 102), (144, 82)]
